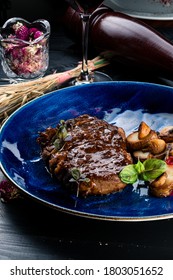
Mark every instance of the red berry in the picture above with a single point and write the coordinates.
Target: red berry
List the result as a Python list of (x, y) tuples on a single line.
[(169, 160)]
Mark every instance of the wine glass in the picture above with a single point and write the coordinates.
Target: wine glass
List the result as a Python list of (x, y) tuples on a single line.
[(85, 8)]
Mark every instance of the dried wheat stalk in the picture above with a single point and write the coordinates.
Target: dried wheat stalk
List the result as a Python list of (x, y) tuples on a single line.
[(13, 96)]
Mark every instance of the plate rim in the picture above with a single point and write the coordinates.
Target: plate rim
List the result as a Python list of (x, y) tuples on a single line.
[(141, 15)]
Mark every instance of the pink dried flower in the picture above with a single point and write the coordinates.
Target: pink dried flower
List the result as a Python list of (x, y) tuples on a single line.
[(35, 33), (8, 191), (11, 36), (15, 53), (21, 31), (32, 30)]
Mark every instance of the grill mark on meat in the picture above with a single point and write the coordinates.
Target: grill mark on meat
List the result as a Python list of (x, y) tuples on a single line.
[(93, 146)]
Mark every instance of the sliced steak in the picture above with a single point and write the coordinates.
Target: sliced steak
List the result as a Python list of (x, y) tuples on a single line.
[(89, 148)]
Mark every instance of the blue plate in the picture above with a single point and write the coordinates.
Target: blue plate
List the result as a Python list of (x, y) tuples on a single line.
[(125, 104)]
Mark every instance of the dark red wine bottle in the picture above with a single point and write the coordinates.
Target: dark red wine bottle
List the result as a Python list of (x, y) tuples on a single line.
[(133, 41)]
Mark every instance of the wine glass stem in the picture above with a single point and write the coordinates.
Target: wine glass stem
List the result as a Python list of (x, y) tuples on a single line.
[(85, 30)]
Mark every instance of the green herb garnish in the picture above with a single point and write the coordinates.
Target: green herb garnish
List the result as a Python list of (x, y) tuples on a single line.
[(62, 130), (149, 170), (61, 135), (153, 169), (77, 176)]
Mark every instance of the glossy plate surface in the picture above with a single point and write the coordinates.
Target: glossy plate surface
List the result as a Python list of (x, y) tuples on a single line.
[(146, 9), (124, 104)]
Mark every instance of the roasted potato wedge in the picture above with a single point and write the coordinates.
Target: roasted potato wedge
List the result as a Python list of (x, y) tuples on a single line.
[(163, 186), (156, 146), (134, 143), (143, 130), (159, 182), (167, 134)]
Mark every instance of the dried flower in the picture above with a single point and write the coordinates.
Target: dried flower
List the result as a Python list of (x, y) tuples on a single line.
[(8, 191), (34, 33), (21, 31), (37, 34), (32, 30)]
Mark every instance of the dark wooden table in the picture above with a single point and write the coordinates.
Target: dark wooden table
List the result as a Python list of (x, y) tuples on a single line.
[(29, 230)]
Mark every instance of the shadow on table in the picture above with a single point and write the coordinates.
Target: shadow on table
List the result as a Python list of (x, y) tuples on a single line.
[(46, 233)]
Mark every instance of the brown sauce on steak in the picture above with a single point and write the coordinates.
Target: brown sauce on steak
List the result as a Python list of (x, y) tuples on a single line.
[(93, 146)]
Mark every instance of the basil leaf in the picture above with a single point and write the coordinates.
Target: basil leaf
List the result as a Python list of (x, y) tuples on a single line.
[(129, 174), (139, 167), (149, 170), (153, 169)]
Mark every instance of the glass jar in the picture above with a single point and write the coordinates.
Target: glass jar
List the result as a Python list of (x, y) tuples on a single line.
[(24, 48)]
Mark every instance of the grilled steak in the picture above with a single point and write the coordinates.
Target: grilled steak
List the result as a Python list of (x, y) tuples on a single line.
[(86, 153)]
